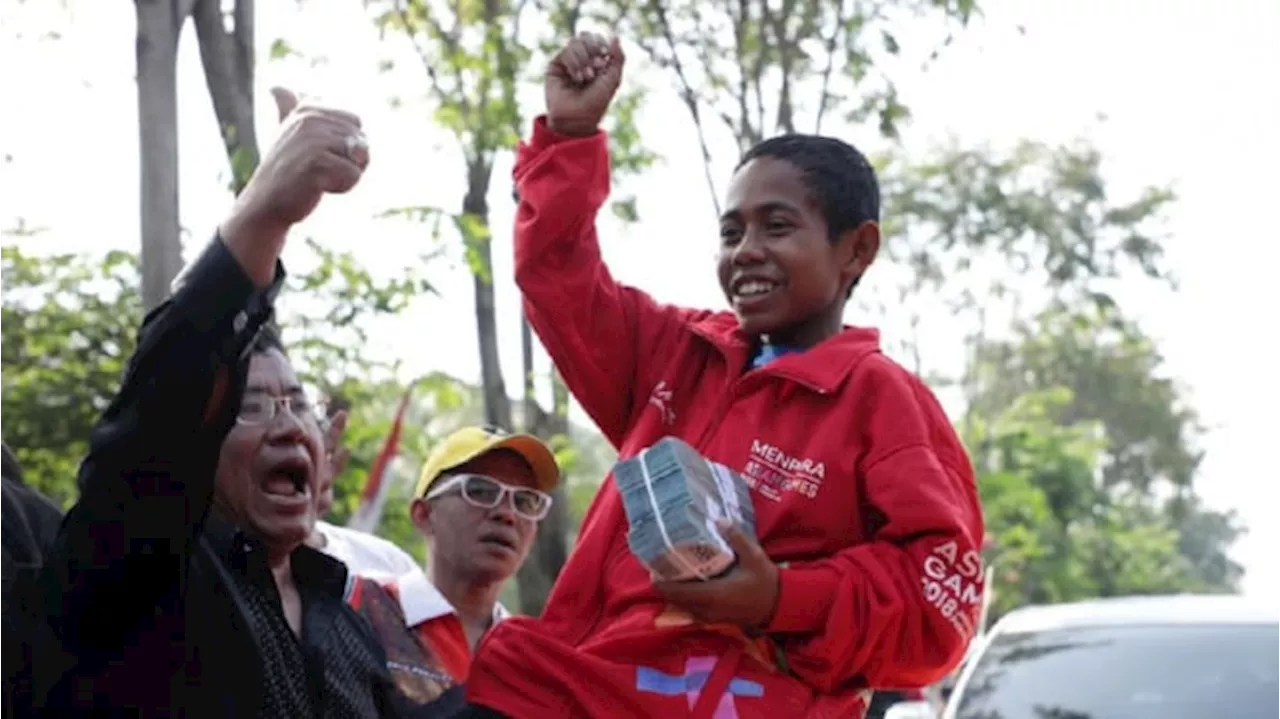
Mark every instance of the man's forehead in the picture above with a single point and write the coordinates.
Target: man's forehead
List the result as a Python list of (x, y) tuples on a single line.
[(270, 372)]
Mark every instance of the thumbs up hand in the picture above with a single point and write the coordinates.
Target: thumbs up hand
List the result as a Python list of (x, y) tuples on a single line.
[(320, 150), (286, 101)]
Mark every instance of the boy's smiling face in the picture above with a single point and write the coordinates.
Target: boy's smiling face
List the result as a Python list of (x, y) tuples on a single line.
[(780, 271)]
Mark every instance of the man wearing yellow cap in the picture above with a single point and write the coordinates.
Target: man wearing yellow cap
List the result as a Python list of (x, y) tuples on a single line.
[(478, 502)]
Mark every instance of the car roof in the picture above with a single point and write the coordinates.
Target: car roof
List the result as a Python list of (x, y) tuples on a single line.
[(1145, 610)]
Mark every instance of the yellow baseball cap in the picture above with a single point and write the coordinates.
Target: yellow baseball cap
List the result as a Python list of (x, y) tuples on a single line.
[(468, 443)]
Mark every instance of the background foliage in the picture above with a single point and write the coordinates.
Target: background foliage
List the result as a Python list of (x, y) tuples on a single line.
[(1087, 451)]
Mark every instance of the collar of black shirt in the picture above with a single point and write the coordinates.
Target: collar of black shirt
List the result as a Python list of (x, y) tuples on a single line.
[(312, 570)]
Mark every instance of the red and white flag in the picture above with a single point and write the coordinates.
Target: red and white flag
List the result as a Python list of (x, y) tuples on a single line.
[(374, 496)]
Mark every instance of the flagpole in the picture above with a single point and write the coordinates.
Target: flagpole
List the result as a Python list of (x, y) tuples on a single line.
[(373, 497), (989, 590)]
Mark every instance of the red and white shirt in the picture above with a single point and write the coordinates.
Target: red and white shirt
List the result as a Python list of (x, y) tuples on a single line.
[(426, 645)]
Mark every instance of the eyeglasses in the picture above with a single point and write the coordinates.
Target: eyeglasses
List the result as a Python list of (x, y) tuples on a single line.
[(487, 493), (262, 408)]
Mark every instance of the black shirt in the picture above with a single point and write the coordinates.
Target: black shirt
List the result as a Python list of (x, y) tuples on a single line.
[(29, 525), (329, 671), (149, 607)]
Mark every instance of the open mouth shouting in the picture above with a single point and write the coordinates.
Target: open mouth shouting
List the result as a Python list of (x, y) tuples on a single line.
[(288, 480)]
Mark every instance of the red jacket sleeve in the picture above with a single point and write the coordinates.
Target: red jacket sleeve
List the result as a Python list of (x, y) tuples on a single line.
[(592, 326), (900, 610)]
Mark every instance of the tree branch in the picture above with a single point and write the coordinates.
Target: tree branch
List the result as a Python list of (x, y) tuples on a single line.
[(753, 133), (424, 54), (690, 99), (227, 58), (739, 47), (786, 48), (831, 41), (509, 73), (708, 51)]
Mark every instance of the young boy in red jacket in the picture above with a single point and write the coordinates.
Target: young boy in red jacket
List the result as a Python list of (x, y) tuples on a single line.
[(866, 570)]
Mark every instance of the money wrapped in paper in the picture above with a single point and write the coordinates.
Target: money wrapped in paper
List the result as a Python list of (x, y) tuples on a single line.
[(673, 497)]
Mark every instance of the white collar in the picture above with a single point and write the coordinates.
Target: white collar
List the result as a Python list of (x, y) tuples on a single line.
[(422, 602)]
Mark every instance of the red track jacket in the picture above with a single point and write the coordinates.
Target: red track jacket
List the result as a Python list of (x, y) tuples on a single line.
[(862, 492)]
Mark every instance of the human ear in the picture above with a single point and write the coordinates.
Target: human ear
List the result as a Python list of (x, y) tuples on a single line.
[(420, 515), (856, 249)]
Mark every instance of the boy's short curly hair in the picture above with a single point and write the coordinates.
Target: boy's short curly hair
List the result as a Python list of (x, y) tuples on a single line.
[(841, 180)]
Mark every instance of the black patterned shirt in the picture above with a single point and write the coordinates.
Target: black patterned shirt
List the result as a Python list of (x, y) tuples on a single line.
[(335, 669)]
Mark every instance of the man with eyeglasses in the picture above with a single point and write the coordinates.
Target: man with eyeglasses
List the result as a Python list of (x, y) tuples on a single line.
[(478, 502), (179, 585)]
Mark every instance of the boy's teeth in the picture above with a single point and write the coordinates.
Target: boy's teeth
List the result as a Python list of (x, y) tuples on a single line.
[(754, 288)]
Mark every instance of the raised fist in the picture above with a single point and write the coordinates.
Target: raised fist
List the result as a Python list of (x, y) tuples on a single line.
[(581, 82), (319, 150)]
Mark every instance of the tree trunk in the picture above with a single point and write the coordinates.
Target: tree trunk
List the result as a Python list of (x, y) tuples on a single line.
[(159, 26), (532, 412), (226, 53), (550, 549), (497, 405)]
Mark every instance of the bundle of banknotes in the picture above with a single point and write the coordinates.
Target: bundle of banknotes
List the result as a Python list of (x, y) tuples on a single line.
[(673, 498)]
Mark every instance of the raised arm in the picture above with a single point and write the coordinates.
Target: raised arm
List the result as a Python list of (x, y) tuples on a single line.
[(596, 330), (147, 482)]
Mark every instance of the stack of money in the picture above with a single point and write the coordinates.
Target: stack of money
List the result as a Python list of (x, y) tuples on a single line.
[(673, 498)]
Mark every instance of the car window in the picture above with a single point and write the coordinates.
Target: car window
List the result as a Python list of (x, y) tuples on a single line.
[(1127, 672)]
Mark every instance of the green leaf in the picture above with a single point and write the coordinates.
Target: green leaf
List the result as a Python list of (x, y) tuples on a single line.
[(281, 49), (625, 209)]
